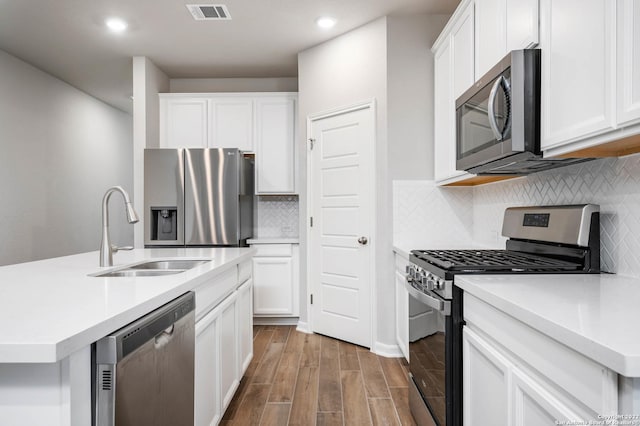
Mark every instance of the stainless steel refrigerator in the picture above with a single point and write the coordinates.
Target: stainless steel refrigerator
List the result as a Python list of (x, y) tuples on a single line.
[(198, 197)]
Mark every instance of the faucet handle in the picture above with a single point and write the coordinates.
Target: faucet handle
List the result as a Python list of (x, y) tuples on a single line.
[(115, 248)]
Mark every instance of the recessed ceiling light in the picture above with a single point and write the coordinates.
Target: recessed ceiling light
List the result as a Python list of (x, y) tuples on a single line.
[(116, 25), (325, 22)]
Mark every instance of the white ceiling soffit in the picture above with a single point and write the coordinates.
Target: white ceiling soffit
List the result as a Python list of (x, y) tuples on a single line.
[(209, 12)]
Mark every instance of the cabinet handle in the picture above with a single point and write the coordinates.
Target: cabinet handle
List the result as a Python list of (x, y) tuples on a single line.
[(363, 241)]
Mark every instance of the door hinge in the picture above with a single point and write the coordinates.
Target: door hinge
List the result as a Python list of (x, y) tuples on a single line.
[(312, 141), (312, 299), (311, 221)]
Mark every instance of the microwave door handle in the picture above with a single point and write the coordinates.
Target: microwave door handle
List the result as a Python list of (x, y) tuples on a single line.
[(491, 109)]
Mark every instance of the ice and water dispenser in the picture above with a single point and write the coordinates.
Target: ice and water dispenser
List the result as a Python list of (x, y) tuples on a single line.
[(164, 223)]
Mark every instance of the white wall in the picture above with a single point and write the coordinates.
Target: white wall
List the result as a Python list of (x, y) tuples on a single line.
[(148, 81), (388, 60), (410, 94), (60, 150), (349, 69), (213, 85)]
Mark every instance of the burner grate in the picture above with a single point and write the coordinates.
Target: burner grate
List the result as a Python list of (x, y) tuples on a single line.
[(492, 260)]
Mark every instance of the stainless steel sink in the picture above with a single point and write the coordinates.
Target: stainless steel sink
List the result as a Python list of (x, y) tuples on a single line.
[(182, 264), (140, 273), (154, 268)]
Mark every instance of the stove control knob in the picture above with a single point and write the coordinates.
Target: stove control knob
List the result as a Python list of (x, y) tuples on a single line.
[(440, 284), (431, 283)]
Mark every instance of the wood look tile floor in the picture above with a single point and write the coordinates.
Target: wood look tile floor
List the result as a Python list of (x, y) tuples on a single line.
[(309, 379)]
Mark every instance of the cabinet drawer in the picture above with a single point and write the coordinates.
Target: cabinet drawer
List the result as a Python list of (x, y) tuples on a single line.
[(273, 250), (210, 293), (244, 271)]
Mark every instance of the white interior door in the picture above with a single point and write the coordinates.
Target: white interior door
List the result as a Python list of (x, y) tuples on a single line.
[(341, 202)]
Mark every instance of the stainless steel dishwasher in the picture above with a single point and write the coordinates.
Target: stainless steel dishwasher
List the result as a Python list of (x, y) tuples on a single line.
[(145, 371)]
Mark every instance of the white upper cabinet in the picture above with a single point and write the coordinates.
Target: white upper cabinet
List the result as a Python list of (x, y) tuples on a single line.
[(503, 26), (263, 123), (184, 122), (231, 123), (577, 38), (462, 53), (453, 74), (490, 37), (523, 28), (275, 143), (628, 62)]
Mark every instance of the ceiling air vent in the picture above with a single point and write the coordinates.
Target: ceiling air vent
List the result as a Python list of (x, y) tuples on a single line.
[(209, 12)]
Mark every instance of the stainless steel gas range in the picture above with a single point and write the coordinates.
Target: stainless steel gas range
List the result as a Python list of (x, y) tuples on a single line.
[(541, 240)]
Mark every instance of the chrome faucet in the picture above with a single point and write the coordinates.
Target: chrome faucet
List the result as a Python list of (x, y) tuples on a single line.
[(106, 248)]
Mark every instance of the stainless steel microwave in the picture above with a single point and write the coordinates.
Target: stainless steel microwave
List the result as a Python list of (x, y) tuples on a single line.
[(498, 120)]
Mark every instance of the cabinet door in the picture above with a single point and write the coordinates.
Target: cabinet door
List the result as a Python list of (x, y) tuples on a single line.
[(490, 36), (207, 370), (453, 75), (183, 122), (462, 45), (402, 315), (534, 405), (522, 24), (273, 286), (628, 62), (228, 349), (245, 325), (443, 127), (578, 59), (486, 382), (275, 142), (231, 123)]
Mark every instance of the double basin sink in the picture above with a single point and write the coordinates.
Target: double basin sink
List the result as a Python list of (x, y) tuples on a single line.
[(154, 268)]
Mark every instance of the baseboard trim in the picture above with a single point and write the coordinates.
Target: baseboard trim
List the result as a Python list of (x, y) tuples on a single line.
[(303, 327), (275, 320), (387, 351)]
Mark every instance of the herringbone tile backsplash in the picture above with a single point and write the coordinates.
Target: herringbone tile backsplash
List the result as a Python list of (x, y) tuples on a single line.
[(613, 183), (276, 216)]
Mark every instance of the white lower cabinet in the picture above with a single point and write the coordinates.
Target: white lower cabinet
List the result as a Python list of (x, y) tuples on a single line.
[(515, 375), (229, 378), (276, 280), (207, 367), (245, 325), (402, 307), (223, 350), (498, 392), (534, 405), (485, 382)]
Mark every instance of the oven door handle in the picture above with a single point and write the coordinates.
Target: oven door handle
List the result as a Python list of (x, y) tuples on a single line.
[(440, 305)]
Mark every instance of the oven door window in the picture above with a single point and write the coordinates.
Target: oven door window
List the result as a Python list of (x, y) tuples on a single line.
[(484, 120), (427, 353)]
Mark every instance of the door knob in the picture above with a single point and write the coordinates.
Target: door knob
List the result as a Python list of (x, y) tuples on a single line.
[(363, 241)]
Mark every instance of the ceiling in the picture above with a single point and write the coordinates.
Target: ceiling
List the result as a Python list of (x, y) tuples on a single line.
[(68, 39)]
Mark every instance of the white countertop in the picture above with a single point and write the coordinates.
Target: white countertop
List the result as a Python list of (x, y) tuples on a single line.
[(596, 315), (51, 308), (273, 241)]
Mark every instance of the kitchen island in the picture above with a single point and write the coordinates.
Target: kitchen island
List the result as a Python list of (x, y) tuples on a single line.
[(51, 311)]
